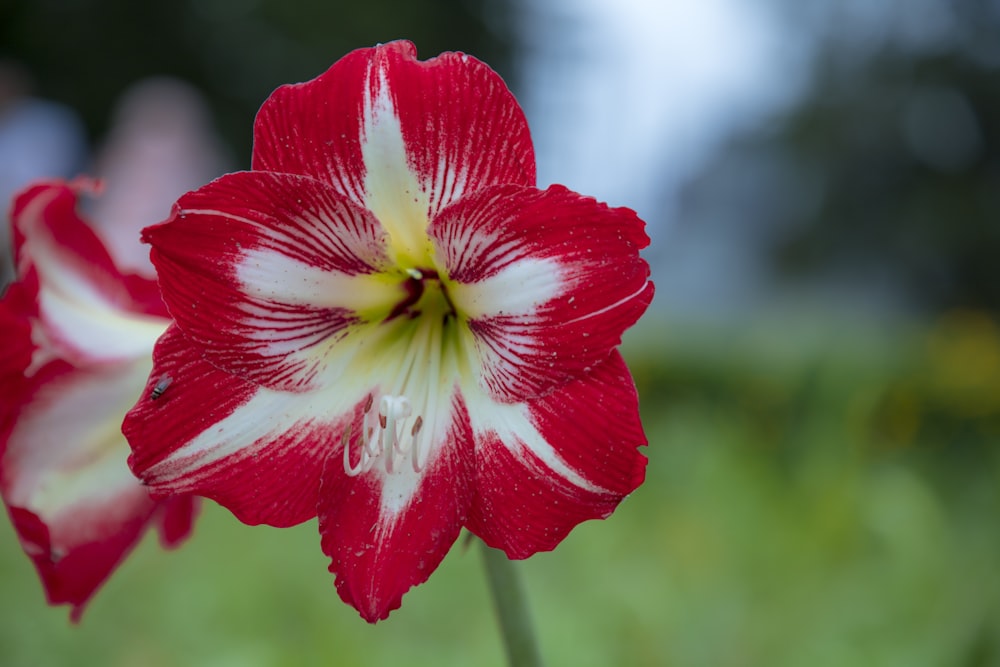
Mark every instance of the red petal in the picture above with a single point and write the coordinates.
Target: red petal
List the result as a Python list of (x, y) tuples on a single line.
[(175, 519), (72, 572), (79, 305), (263, 270), (212, 434), (76, 507), (15, 352), (523, 502), (78, 334), (548, 279), (461, 126), (379, 551), (45, 221)]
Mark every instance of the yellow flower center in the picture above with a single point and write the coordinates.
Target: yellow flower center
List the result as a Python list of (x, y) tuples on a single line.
[(421, 350)]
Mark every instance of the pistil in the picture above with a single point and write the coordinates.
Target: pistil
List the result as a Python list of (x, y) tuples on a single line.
[(415, 286)]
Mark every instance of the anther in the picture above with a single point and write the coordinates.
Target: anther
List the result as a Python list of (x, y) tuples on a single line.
[(415, 445)]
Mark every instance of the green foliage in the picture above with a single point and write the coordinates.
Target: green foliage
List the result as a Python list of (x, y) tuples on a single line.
[(815, 496), (885, 175), (904, 155)]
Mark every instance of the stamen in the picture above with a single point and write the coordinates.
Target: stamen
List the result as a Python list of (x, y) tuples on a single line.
[(345, 442), (389, 441), (415, 445), (369, 453), (390, 410)]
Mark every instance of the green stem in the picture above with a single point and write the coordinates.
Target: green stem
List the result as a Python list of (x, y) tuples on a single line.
[(512, 609)]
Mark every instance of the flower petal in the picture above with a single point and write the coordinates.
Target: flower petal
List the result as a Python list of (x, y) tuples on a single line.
[(17, 349), (401, 137), (76, 507), (174, 519), (73, 567), (548, 280), (386, 532), (256, 451), (265, 272), (78, 335), (86, 307), (543, 467), (73, 564)]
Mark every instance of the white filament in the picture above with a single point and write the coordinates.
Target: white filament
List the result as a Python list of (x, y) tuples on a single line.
[(388, 439)]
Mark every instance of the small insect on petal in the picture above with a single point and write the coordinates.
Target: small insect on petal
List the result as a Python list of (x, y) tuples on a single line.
[(160, 387)]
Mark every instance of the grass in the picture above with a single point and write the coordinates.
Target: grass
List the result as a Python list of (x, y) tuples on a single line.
[(813, 498)]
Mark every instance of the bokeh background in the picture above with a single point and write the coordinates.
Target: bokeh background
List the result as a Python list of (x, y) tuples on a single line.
[(819, 373)]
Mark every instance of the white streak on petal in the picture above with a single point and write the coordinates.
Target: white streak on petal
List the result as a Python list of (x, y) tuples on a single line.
[(315, 318), (79, 313), (270, 275), (211, 212), (517, 289), (448, 185), (421, 379), (267, 415), (67, 447), (94, 327), (513, 426), (415, 366), (438, 413), (616, 304), (398, 488), (392, 190), (363, 362)]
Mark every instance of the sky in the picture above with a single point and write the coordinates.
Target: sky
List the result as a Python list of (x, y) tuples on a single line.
[(627, 100)]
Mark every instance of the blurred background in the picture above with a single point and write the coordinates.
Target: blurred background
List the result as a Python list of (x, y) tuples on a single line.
[(819, 373)]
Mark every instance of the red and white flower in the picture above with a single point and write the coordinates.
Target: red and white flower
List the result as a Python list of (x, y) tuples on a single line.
[(78, 337), (386, 323)]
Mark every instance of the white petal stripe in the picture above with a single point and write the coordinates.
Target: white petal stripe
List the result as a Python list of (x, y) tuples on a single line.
[(266, 415), (594, 313), (304, 284), (392, 191), (513, 426), (517, 289), (67, 446), (82, 314), (96, 328)]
